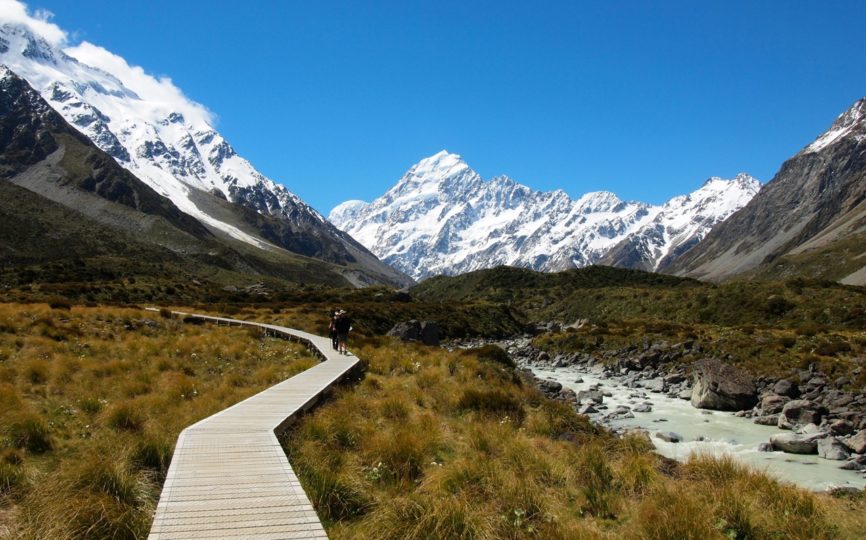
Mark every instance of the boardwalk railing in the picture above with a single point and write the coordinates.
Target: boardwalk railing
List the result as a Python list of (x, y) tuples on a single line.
[(229, 477)]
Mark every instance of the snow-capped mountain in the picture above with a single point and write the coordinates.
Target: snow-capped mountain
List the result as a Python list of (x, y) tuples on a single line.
[(681, 223), (808, 220), (443, 218), (151, 129)]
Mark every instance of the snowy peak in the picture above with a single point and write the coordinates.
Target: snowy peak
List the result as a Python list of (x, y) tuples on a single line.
[(442, 218), (166, 140), (849, 123)]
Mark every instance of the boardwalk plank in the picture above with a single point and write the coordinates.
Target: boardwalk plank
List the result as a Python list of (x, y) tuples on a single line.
[(229, 477)]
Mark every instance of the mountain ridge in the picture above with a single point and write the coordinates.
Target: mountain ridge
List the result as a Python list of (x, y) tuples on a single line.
[(175, 150), (441, 217), (812, 208)]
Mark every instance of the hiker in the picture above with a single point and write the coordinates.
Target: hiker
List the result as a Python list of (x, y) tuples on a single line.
[(342, 324), (332, 328)]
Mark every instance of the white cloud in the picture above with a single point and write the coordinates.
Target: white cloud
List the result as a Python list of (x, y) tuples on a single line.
[(157, 90), (40, 21)]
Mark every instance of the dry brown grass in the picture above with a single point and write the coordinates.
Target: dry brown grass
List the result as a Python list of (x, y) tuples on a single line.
[(92, 401), (430, 446)]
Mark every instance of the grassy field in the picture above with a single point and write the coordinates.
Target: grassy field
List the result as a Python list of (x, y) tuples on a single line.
[(430, 444), (92, 401), (453, 445)]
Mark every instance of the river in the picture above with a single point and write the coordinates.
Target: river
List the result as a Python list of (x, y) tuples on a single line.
[(712, 432)]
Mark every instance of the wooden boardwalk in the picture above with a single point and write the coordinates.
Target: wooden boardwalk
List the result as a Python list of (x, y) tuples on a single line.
[(229, 476)]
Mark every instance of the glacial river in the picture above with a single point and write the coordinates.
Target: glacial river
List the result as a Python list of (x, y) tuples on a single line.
[(721, 432)]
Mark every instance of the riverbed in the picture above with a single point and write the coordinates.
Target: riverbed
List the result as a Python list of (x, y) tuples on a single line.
[(712, 432)]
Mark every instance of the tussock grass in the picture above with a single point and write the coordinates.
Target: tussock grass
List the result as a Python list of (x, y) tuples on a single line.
[(92, 401), (428, 446)]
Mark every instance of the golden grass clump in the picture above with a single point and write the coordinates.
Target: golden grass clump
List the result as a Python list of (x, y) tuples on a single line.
[(445, 445), (92, 401)]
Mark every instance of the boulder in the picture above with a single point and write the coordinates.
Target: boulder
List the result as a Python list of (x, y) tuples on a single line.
[(685, 394), (767, 420), (674, 378), (773, 403), (793, 443), (857, 443), (406, 331), (831, 448), (594, 396), (655, 385), (430, 333), (851, 465), (669, 436), (550, 388), (587, 408), (643, 407), (787, 388), (722, 387), (842, 427), (765, 447), (801, 412)]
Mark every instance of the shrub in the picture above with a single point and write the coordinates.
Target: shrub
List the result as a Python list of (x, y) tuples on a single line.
[(124, 416), (336, 497), (36, 372), (596, 482), (492, 353), (90, 405), (29, 431), (492, 402), (60, 303), (394, 408), (11, 476), (154, 453)]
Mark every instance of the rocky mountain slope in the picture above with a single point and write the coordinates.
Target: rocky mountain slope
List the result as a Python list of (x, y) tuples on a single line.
[(171, 146), (810, 218), (65, 201), (442, 218), (681, 223)]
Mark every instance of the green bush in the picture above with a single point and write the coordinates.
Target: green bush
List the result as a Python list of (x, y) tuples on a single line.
[(492, 402), (29, 431), (491, 353)]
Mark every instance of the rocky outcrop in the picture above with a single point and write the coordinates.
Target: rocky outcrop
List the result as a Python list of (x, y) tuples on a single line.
[(794, 443), (722, 387), (805, 213), (427, 332), (857, 443), (831, 448), (801, 412)]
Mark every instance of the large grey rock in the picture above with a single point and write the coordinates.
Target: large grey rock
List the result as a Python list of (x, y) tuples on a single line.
[(426, 332), (669, 436), (594, 396), (801, 412), (842, 427), (793, 443), (655, 385), (722, 387), (787, 388), (831, 448), (430, 333), (767, 420), (587, 408), (643, 407), (773, 403), (857, 443)]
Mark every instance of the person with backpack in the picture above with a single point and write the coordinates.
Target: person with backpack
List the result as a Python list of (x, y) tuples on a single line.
[(332, 328), (343, 325)]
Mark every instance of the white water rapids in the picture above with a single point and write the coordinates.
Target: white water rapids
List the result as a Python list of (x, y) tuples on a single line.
[(721, 432)]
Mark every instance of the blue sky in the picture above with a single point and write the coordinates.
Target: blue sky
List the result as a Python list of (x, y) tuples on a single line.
[(646, 99)]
